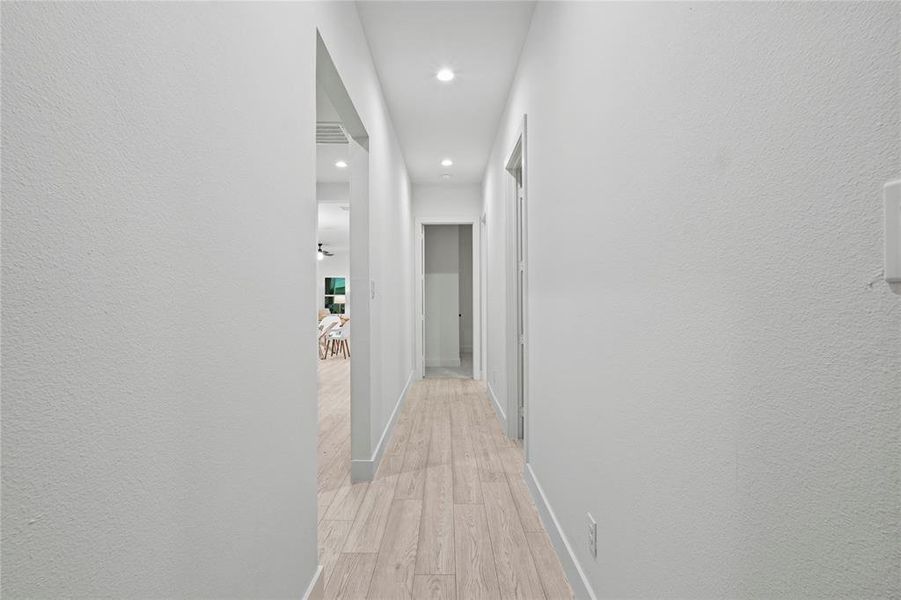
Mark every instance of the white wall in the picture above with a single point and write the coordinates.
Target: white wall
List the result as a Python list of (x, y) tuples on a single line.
[(442, 296), (709, 176), (159, 401), (333, 192), (337, 265), (331, 266), (447, 202)]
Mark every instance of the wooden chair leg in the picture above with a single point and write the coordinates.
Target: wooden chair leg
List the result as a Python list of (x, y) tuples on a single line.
[(344, 348)]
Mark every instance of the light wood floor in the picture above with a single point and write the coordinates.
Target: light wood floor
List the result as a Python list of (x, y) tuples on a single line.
[(446, 516)]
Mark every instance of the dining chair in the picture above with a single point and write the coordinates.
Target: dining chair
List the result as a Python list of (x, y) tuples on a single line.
[(324, 339), (339, 339)]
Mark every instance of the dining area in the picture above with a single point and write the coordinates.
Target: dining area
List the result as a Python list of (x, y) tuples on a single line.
[(333, 335)]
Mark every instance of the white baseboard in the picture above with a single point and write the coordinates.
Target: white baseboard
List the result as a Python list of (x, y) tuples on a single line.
[(501, 414), (361, 470), (316, 589), (364, 469), (443, 362), (577, 579)]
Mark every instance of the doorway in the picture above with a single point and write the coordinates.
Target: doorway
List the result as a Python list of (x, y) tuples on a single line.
[(447, 295), (343, 301), (517, 282), (447, 301)]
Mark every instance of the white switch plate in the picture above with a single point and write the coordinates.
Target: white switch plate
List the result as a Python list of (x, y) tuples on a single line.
[(892, 194), (592, 536)]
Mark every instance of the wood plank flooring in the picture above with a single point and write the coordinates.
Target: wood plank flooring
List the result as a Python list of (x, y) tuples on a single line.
[(447, 516)]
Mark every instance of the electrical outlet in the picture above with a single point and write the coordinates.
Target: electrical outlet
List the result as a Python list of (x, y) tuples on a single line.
[(592, 536)]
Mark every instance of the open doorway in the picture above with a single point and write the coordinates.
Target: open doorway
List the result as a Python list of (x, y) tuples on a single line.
[(335, 346), (342, 291), (448, 319)]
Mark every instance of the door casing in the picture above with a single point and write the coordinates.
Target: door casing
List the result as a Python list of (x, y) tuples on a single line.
[(517, 285)]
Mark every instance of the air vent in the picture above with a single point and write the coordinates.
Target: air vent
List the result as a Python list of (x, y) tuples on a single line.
[(330, 132)]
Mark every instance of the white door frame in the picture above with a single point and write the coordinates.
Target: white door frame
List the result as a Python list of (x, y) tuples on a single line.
[(419, 297), (518, 284)]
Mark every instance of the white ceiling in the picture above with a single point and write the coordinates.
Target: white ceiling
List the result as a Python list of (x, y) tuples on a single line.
[(328, 154), (326, 157), (481, 42)]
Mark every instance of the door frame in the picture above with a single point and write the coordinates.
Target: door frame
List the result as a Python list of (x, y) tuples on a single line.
[(518, 286), (419, 296)]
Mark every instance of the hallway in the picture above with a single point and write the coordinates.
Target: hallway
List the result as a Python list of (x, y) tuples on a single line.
[(706, 195), (447, 514)]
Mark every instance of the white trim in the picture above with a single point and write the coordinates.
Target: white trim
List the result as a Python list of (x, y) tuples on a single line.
[(316, 589), (364, 470), (574, 572), (498, 407)]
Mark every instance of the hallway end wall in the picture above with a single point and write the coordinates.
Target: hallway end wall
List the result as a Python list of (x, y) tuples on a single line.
[(706, 179)]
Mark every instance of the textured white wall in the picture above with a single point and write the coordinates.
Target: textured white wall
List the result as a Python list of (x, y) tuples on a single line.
[(159, 401), (447, 201), (709, 176), (333, 192)]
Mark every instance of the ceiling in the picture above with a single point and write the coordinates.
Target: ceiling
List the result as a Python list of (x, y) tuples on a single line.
[(481, 43), (326, 157), (328, 154)]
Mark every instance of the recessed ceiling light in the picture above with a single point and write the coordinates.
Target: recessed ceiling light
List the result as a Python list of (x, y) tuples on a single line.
[(446, 176), (341, 164), (447, 162), (445, 75)]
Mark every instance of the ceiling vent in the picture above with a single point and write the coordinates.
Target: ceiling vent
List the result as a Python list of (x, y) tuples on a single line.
[(330, 132)]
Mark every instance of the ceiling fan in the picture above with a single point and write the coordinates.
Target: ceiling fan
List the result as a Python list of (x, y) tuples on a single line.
[(320, 253)]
